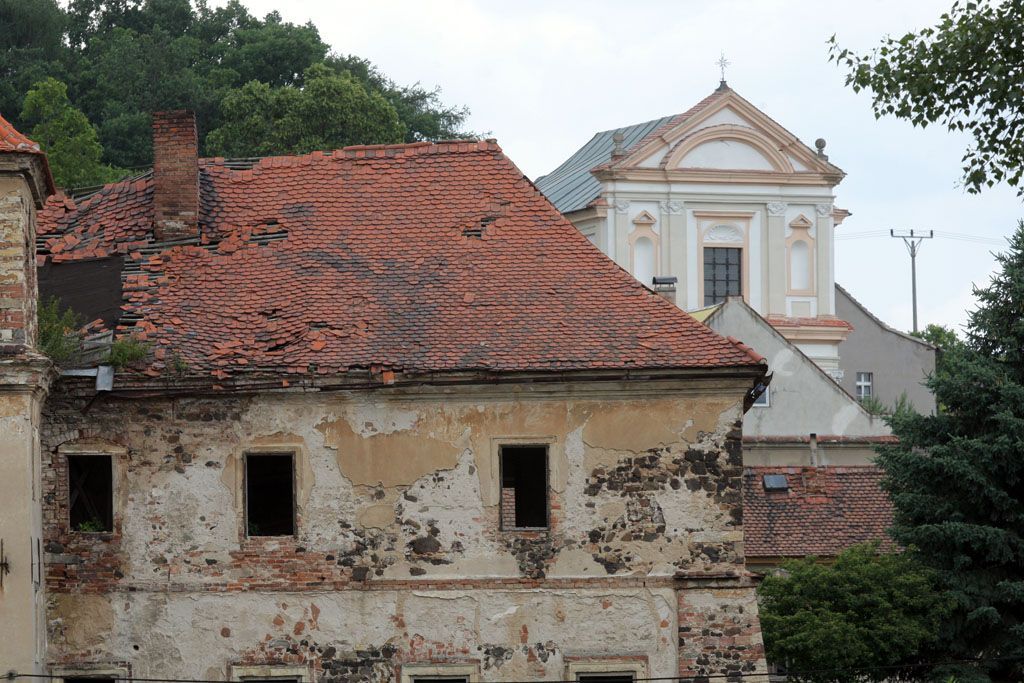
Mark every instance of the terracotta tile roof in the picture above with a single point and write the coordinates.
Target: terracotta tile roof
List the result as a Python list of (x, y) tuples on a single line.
[(783, 321), (825, 510), (13, 141), (416, 258)]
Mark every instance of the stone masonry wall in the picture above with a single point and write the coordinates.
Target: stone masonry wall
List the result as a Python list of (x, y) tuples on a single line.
[(399, 554)]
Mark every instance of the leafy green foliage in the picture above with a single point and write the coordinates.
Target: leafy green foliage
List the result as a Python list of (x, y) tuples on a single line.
[(957, 478), (127, 350), (58, 330), (835, 621), (67, 137), (124, 59), (93, 525), (963, 73), (331, 110), (940, 336)]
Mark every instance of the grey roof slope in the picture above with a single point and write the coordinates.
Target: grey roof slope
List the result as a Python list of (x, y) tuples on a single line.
[(571, 187)]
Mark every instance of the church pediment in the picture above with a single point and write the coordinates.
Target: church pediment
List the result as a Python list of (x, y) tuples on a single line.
[(729, 134)]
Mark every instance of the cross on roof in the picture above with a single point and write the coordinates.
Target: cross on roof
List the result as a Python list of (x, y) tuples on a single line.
[(722, 63)]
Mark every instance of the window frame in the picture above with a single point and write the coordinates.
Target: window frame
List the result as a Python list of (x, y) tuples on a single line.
[(547, 485), (860, 385), (410, 673), (112, 458), (271, 672), (766, 395), (611, 666), (97, 671), (245, 491), (740, 282)]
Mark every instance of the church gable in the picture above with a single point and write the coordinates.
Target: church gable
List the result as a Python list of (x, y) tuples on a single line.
[(727, 134)]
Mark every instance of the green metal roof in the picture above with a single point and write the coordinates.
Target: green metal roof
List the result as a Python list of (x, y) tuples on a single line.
[(571, 187)]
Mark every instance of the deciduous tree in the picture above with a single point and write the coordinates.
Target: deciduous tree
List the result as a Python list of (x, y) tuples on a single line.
[(67, 137), (329, 111), (860, 618), (964, 73)]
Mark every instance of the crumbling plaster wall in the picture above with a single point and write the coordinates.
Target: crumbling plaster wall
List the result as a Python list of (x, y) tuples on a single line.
[(398, 556), (368, 635)]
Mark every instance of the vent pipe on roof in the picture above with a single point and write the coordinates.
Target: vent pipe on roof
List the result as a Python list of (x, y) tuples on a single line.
[(175, 175)]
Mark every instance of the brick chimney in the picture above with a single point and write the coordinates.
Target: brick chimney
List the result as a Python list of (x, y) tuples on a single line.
[(175, 175)]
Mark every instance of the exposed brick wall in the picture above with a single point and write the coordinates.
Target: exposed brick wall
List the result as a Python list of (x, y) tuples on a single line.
[(720, 633), (176, 175), (508, 508), (17, 275)]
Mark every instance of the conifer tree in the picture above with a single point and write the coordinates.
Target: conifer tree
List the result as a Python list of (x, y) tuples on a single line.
[(957, 480)]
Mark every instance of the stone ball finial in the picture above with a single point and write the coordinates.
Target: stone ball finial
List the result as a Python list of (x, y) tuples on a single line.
[(617, 139), (819, 144)]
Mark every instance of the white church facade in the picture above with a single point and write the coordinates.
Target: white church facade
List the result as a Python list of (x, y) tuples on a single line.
[(726, 201)]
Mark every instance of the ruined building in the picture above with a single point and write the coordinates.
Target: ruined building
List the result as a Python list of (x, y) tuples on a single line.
[(380, 414)]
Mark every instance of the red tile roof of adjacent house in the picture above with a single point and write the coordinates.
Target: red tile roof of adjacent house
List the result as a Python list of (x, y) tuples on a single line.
[(784, 321), (13, 141), (418, 258), (825, 510)]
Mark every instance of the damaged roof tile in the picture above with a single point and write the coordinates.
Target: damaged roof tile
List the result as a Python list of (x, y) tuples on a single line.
[(369, 267)]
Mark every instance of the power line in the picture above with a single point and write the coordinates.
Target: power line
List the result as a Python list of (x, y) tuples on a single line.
[(913, 244), (964, 237), (654, 679)]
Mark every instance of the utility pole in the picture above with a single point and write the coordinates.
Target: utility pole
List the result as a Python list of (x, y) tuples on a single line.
[(913, 242)]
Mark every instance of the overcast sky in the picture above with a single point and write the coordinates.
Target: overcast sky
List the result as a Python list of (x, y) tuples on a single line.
[(543, 77)]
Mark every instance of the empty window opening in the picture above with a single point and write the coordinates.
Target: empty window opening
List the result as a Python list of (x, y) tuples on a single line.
[(722, 267), (89, 679), (524, 487), (627, 677), (91, 495), (269, 495), (865, 385), (440, 679)]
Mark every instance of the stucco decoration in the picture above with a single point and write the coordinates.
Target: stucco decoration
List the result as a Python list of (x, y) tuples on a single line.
[(777, 208), (644, 218), (671, 206), (823, 209), (621, 205), (723, 233)]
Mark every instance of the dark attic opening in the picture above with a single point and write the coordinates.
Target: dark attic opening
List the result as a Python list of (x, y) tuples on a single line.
[(270, 494), (606, 678), (524, 487), (91, 492)]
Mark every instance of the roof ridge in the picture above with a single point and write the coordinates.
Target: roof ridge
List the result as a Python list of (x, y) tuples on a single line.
[(454, 146), (882, 323)]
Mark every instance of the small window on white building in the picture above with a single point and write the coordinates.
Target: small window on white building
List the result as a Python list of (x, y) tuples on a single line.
[(762, 401), (865, 385)]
